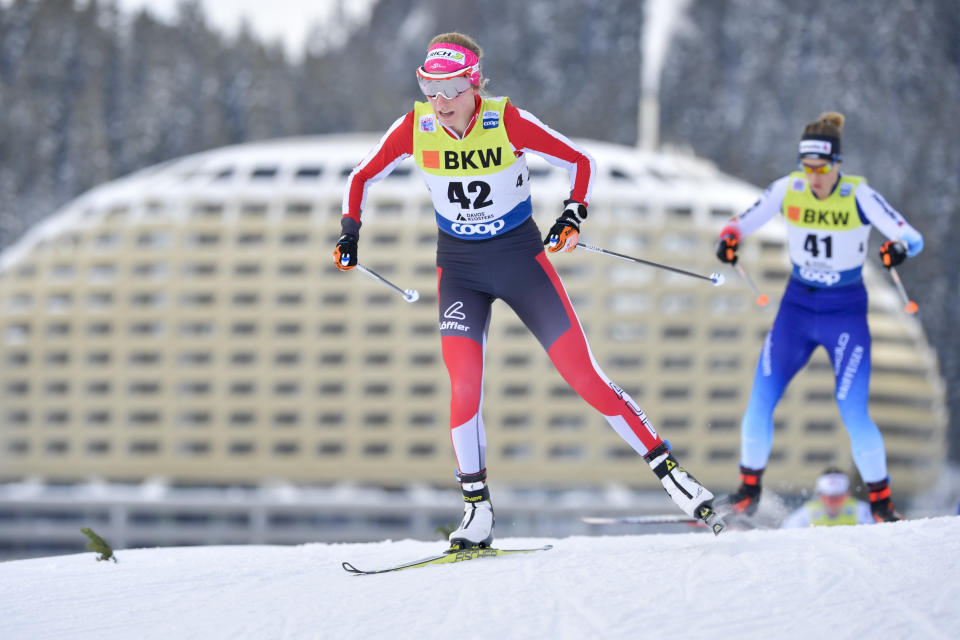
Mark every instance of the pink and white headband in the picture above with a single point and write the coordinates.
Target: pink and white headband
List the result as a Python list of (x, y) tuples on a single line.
[(445, 60)]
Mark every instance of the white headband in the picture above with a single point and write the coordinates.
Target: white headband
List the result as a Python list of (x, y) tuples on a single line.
[(833, 484)]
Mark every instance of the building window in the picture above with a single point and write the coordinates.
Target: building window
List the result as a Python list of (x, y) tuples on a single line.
[(242, 448), (243, 388), (194, 358), (152, 270), (144, 448), (193, 448), (199, 269), (263, 173), (330, 449), (196, 329), (286, 419), (98, 447), (194, 418), (197, 299), (308, 173), (144, 418), (143, 388), (194, 388), (247, 269), (242, 419), (98, 418), (143, 329), (286, 448)]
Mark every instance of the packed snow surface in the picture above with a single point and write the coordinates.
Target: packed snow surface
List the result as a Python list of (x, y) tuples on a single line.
[(895, 580)]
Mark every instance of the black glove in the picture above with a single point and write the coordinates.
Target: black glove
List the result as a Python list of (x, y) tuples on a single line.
[(566, 226), (892, 253), (727, 248), (345, 254)]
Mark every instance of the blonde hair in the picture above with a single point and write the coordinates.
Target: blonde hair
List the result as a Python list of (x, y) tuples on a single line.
[(830, 123), (461, 40)]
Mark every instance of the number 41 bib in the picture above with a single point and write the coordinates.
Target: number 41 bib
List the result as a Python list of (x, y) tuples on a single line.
[(827, 238)]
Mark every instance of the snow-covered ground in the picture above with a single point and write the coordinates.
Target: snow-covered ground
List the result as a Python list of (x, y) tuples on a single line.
[(883, 581)]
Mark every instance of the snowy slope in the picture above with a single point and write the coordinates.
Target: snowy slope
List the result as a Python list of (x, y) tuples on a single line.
[(886, 581)]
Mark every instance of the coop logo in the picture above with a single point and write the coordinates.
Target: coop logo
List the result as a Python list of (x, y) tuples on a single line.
[(491, 119), (478, 229), (454, 314), (828, 278)]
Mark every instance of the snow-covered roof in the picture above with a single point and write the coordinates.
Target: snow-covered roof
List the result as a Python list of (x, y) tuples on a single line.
[(316, 167)]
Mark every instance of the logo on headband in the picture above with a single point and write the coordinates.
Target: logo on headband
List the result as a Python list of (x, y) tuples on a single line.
[(819, 147), (447, 54)]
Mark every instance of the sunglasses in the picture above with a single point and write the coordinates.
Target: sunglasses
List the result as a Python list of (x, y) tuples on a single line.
[(827, 168), (447, 85)]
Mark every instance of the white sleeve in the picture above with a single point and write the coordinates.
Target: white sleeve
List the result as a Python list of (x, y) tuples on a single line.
[(761, 211), (798, 519), (886, 219)]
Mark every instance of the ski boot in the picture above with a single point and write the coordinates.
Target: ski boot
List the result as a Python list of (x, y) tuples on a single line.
[(693, 498), (880, 504), (476, 528), (747, 497)]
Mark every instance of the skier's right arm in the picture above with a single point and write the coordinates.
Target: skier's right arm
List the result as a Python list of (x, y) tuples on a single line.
[(395, 145), (766, 207)]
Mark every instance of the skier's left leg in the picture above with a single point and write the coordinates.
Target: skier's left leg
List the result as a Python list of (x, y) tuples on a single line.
[(543, 305), (848, 343)]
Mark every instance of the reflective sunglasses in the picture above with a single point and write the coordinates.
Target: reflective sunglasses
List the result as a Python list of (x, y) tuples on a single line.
[(821, 170), (448, 85)]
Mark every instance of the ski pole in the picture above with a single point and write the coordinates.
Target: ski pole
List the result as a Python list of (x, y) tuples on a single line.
[(410, 295), (761, 300), (716, 278), (908, 305)]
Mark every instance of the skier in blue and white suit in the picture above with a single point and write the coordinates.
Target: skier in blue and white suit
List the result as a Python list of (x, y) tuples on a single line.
[(829, 216)]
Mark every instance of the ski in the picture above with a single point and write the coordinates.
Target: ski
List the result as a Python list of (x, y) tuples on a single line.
[(447, 557), (655, 519), (733, 521)]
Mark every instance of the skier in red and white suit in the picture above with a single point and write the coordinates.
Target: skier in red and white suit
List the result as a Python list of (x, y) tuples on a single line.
[(470, 150)]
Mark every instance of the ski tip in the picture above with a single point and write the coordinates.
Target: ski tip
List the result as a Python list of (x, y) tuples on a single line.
[(349, 567)]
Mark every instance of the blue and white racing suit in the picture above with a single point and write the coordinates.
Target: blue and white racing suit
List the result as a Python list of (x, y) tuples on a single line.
[(825, 303)]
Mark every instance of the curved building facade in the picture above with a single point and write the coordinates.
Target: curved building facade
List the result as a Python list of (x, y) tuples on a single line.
[(186, 322)]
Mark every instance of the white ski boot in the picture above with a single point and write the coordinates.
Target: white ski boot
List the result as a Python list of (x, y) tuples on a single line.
[(692, 497), (476, 528)]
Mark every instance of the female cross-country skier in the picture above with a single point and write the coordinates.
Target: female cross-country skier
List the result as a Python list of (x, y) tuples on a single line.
[(470, 149), (829, 216)]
